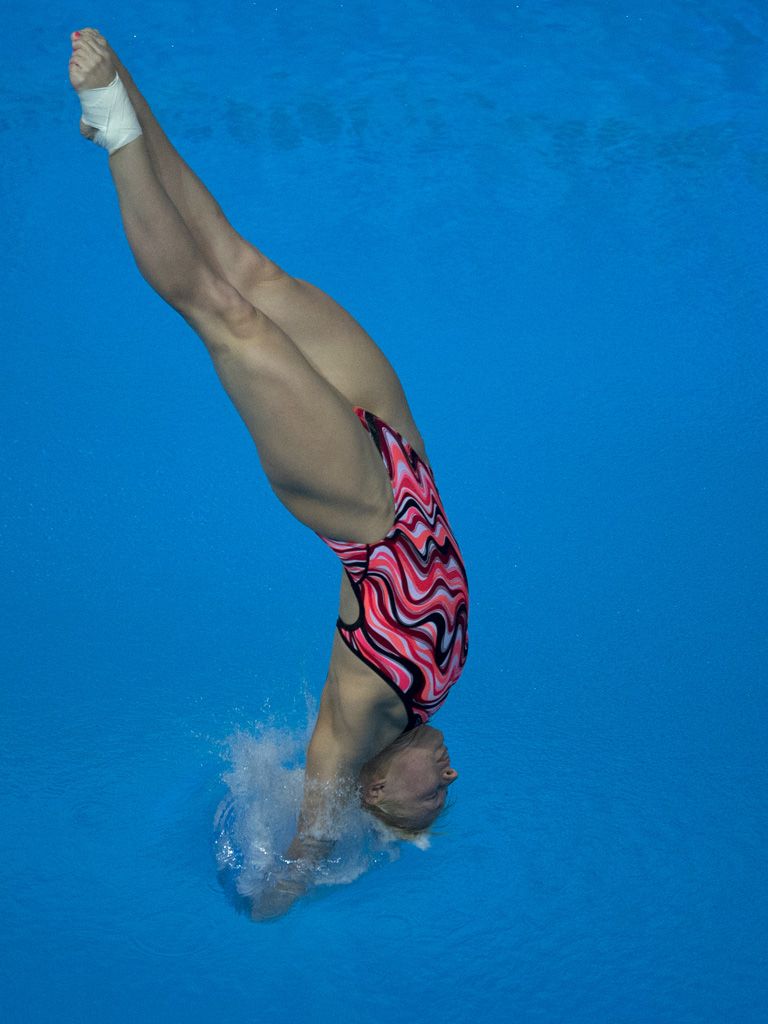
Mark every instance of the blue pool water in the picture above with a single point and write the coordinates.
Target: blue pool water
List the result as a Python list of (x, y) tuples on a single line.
[(552, 217)]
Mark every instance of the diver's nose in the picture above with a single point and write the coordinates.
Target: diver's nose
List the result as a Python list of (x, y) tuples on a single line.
[(450, 775)]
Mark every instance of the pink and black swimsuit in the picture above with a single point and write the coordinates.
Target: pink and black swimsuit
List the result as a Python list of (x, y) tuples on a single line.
[(411, 586)]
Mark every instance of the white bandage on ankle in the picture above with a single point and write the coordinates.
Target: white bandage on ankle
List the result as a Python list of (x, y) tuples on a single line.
[(110, 111)]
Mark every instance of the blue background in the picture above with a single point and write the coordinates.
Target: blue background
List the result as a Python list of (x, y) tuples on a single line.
[(552, 217)]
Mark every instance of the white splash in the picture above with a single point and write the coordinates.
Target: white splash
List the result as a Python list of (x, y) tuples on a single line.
[(256, 819)]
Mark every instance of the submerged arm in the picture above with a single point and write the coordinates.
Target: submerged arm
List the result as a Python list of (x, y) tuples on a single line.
[(330, 785)]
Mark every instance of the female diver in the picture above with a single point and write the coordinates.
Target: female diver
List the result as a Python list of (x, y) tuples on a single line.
[(330, 420)]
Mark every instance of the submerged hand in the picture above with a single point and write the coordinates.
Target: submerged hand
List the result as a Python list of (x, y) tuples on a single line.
[(281, 893), (292, 879)]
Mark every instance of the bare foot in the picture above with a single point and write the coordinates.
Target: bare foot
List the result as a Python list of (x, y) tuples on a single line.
[(90, 66)]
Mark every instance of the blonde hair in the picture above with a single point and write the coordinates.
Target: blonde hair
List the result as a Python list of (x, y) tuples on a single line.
[(390, 812)]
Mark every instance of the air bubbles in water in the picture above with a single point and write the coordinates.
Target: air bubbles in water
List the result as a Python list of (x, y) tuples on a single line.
[(256, 819)]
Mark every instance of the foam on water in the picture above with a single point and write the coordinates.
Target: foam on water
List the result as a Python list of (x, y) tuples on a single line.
[(255, 821)]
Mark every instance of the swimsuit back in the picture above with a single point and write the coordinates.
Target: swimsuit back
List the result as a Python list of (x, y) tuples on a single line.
[(411, 586)]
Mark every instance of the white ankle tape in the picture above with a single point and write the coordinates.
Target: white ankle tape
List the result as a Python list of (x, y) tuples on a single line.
[(110, 111)]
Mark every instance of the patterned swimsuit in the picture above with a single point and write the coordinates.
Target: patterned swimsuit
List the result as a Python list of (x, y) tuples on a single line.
[(411, 586)]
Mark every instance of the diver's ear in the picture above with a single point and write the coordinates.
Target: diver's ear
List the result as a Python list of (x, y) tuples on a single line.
[(374, 791)]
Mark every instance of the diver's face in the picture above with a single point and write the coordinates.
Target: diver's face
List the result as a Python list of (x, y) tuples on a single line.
[(419, 775)]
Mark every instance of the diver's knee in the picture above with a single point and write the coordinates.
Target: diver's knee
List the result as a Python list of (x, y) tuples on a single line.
[(217, 299), (253, 269)]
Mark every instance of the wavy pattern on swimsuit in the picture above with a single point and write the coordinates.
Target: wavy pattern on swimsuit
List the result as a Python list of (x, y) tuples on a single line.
[(411, 586)]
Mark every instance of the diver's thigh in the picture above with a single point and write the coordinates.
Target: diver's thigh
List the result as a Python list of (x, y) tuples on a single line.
[(332, 340), (339, 348), (319, 459)]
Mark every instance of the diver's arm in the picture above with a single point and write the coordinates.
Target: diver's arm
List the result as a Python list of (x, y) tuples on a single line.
[(330, 784), (356, 720)]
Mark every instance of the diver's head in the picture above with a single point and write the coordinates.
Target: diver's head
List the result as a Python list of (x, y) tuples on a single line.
[(405, 785)]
